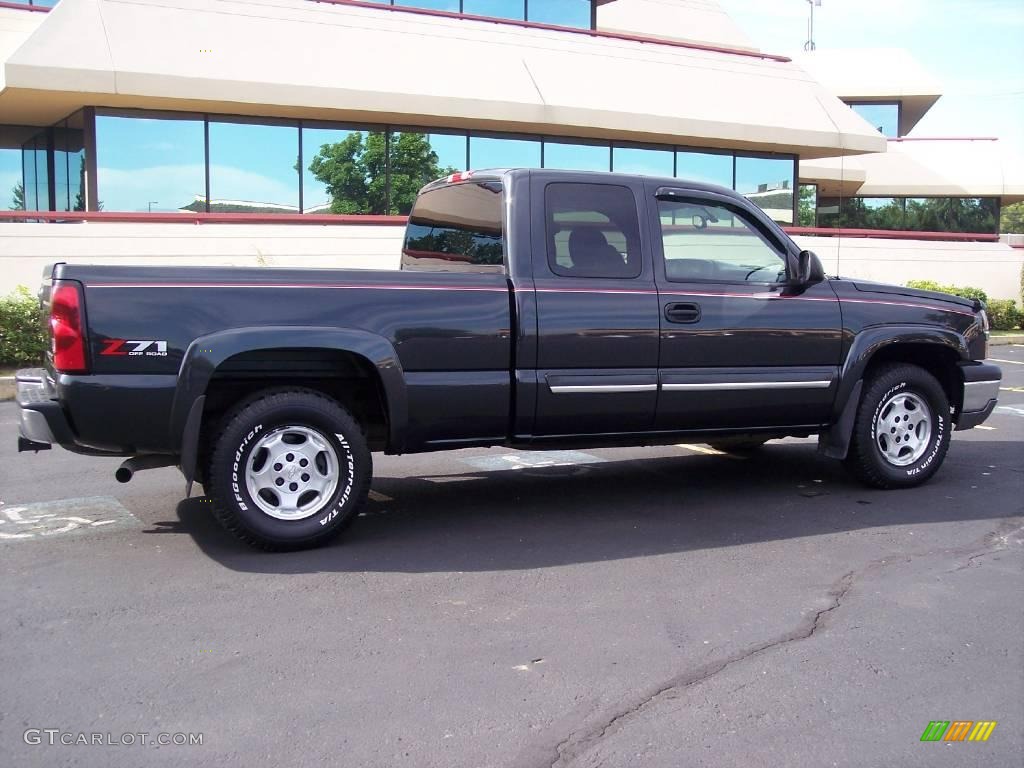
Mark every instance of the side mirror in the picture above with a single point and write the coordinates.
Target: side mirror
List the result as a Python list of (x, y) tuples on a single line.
[(809, 269)]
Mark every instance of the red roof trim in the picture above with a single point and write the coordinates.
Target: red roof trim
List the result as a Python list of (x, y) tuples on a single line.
[(559, 28), (24, 7), (943, 138), (894, 234)]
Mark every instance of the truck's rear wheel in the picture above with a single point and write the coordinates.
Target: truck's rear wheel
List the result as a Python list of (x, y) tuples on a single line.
[(289, 470), (903, 427)]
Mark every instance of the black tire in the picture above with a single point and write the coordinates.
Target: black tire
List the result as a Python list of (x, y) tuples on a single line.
[(738, 445), (867, 459), (289, 413)]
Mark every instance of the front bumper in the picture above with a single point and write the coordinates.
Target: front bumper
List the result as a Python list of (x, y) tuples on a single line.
[(981, 392)]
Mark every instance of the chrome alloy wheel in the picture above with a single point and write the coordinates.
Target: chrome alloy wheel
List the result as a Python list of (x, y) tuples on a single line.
[(292, 472), (903, 429)]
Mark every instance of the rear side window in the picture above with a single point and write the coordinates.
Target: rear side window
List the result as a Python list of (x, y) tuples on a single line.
[(456, 228), (592, 230)]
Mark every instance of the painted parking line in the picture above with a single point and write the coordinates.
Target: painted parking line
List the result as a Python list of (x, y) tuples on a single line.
[(707, 450), (49, 519), (986, 427), (1011, 362), (1011, 409), (1011, 389), (531, 460), (378, 496)]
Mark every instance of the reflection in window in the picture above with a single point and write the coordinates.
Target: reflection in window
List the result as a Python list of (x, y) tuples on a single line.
[(149, 164), (710, 242), (486, 152), (650, 162), (434, 5), (925, 214), (69, 164), (567, 13), (35, 173), (808, 206), (884, 118), (707, 167), (330, 190), (456, 228), (12, 188), (577, 157), (498, 9), (592, 230), (768, 183), (413, 162), (253, 168)]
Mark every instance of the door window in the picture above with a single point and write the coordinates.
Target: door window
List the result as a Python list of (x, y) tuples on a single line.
[(713, 243), (592, 230)]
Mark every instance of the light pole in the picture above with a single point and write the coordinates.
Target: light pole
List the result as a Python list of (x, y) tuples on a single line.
[(810, 45)]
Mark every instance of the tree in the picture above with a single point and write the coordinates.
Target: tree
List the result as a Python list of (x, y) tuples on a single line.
[(808, 205), (354, 171), (1012, 220), (18, 197)]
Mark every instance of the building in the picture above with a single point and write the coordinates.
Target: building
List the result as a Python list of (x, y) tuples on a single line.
[(296, 132)]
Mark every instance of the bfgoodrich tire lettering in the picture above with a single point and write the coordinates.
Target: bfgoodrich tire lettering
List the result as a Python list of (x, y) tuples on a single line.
[(884, 464), (246, 430)]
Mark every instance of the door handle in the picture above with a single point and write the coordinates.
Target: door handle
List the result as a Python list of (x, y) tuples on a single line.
[(684, 312)]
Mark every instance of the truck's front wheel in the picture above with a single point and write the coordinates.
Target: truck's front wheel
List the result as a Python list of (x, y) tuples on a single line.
[(289, 470), (902, 430)]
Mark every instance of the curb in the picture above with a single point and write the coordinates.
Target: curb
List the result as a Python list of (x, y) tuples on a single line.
[(1001, 341)]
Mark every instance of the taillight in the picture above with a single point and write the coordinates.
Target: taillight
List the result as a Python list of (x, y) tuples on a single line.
[(67, 328)]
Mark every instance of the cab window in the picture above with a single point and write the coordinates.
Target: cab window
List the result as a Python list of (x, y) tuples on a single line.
[(592, 230), (456, 228), (714, 243)]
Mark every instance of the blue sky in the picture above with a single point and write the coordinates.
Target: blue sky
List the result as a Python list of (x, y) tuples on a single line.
[(974, 48)]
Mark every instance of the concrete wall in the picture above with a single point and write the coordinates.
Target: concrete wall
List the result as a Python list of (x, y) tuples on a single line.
[(26, 248)]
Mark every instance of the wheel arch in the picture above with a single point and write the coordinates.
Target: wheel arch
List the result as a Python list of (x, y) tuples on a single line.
[(273, 356)]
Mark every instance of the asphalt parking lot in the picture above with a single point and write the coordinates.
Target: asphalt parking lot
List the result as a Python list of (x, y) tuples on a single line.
[(656, 607)]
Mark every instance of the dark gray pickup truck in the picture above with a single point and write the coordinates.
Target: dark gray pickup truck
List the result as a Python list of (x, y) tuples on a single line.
[(535, 309)]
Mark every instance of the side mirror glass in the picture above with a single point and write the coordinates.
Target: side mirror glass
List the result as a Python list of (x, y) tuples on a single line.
[(809, 268)]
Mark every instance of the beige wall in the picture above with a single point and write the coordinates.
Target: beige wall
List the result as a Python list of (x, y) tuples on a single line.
[(26, 248)]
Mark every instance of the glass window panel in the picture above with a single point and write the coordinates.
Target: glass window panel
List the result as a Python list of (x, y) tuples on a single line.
[(42, 173), (415, 161), (434, 5), (148, 164), (254, 168), (499, 9), (768, 183), (69, 165), (329, 158), (808, 205), (884, 118), (576, 157), (708, 167), (951, 214), (568, 13), (486, 152), (592, 230), (456, 228), (707, 242), (28, 173), (12, 190), (651, 162)]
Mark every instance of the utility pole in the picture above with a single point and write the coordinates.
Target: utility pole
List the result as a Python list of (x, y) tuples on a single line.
[(810, 44)]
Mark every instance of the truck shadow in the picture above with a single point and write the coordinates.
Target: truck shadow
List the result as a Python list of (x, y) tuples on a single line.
[(551, 516)]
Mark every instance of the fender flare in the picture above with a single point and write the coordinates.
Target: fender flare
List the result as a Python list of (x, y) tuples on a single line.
[(835, 441), (206, 353)]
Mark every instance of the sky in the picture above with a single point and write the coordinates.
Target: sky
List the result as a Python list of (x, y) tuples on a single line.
[(974, 48)]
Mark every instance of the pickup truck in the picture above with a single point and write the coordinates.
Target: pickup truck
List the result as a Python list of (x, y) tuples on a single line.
[(535, 309)]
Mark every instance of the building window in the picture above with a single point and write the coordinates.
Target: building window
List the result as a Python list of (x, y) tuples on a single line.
[(650, 162), (12, 182), (498, 9), (433, 5), (922, 214), (565, 13), (253, 167), (150, 163), (884, 118), (807, 208), (577, 157), (706, 167), (487, 152), (768, 183)]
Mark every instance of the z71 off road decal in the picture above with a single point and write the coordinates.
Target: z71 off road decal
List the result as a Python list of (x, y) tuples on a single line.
[(143, 348)]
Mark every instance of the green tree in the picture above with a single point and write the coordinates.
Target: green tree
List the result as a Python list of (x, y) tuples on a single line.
[(1012, 220), (808, 205), (354, 171), (18, 197)]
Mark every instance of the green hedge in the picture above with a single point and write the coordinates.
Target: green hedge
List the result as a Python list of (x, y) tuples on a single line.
[(966, 291), (1003, 314), (22, 335)]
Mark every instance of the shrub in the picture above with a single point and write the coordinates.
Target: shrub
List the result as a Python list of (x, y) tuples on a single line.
[(22, 335), (1003, 314), (965, 291)]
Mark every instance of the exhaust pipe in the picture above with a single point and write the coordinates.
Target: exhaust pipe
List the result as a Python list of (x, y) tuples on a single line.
[(129, 467)]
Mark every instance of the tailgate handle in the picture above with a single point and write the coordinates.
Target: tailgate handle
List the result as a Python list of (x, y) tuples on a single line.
[(682, 312)]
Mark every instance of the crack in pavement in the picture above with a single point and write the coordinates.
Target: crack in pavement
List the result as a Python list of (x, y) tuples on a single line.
[(580, 741)]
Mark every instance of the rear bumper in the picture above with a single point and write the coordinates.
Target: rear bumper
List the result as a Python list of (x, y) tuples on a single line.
[(981, 392), (41, 421)]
